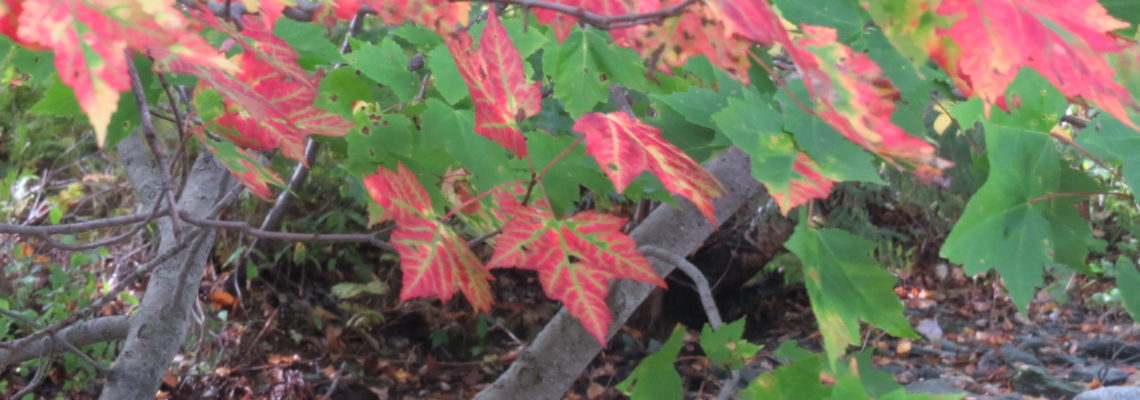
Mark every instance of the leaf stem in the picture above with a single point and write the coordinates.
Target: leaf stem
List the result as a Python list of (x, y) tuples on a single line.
[(1095, 159), (472, 200), (1050, 196)]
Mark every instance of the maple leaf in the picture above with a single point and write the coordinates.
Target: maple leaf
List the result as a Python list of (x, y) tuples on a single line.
[(697, 31), (498, 86), (441, 16), (983, 44), (575, 257), (269, 104), (243, 165), (853, 97), (810, 185), (625, 147), (91, 39), (435, 261)]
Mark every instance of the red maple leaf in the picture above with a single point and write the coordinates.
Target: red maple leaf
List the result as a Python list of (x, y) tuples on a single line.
[(625, 147), (853, 97), (90, 39), (576, 258), (441, 16), (495, 78), (269, 104), (696, 31), (809, 185), (435, 261), (1002, 36), (242, 164)]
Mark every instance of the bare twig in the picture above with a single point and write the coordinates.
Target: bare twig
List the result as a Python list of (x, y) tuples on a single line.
[(41, 371), (605, 22), (152, 141), (702, 283), (297, 237), (46, 237)]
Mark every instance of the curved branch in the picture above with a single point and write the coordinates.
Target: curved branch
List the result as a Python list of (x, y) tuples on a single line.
[(98, 330)]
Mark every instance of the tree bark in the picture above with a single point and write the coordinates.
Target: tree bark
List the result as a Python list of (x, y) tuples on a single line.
[(563, 348), (157, 329)]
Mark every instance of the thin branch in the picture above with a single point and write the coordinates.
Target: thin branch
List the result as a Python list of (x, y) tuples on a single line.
[(296, 237), (599, 21), (152, 141), (41, 371), (76, 227), (1086, 153), (702, 283)]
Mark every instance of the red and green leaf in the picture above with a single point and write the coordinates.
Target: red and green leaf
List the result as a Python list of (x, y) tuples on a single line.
[(269, 104), (434, 259), (810, 184), (243, 165), (851, 94), (498, 86), (91, 41), (576, 258), (625, 147), (1063, 40)]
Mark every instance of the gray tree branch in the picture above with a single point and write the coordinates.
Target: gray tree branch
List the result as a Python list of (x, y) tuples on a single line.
[(563, 348), (98, 330), (162, 320)]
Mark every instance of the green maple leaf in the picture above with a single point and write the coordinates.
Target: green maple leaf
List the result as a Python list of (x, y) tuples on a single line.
[(845, 285), (1008, 225)]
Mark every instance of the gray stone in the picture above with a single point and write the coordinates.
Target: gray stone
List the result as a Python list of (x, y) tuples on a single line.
[(1110, 348), (928, 372), (1007, 396), (1109, 376), (949, 345), (934, 386), (1035, 381), (1061, 359), (1033, 343), (1111, 393), (1013, 355)]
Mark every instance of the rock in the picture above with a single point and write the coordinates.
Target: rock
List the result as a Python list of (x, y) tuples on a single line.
[(1013, 355), (1109, 376), (1033, 343), (928, 372), (1110, 348), (1111, 393), (1061, 359), (934, 386), (1035, 381), (1010, 396), (949, 345)]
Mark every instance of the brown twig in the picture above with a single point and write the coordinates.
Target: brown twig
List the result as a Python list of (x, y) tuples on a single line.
[(605, 22), (1050, 196), (296, 237), (152, 141), (1086, 153)]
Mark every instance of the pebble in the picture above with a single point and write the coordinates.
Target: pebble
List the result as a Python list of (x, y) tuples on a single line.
[(1110, 376), (1013, 355)]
